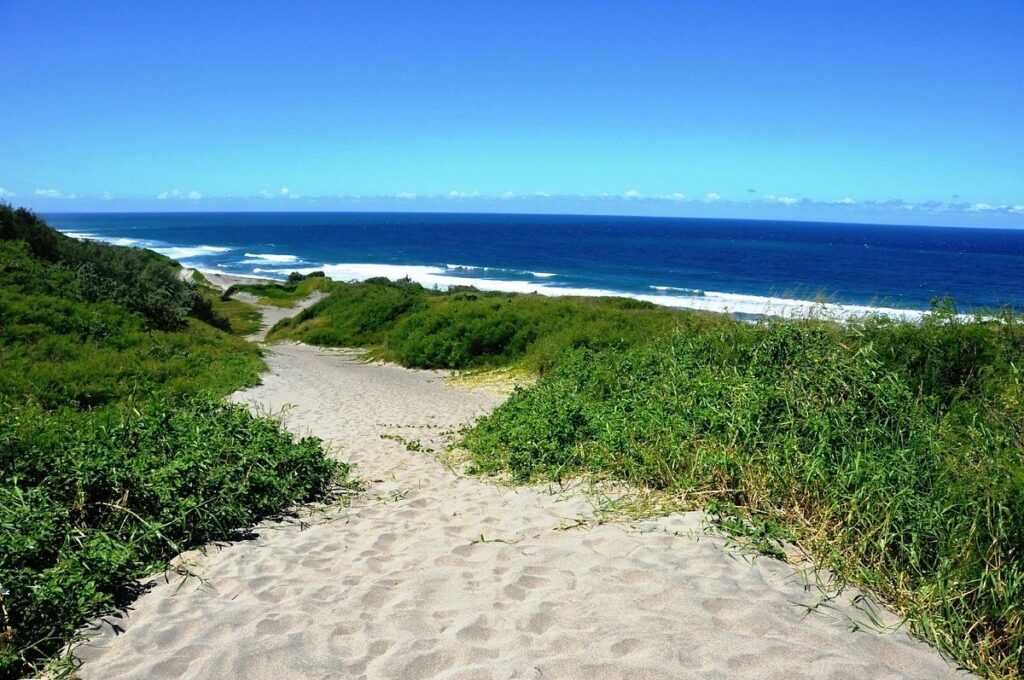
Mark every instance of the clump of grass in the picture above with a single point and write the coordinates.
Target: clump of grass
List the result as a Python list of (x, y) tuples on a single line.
[(892, 452), (244, 319)]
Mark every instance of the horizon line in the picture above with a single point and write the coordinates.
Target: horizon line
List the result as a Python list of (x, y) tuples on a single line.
[(520, 214)]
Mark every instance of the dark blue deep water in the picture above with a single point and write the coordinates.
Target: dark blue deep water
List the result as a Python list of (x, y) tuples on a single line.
[(715, 264)]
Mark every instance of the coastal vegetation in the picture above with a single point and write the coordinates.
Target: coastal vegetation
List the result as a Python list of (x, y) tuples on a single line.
[(241, 317), (892, 452), (116, 452), (404, 322)]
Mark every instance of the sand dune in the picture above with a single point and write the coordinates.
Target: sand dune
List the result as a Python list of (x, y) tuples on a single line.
[(433, 575)]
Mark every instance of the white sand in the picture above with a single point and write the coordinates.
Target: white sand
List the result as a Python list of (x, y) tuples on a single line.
[(399, 585), (227, 280)]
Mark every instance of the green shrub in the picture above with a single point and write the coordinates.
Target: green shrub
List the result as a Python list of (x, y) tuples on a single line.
[(87, 504), (139, 280)]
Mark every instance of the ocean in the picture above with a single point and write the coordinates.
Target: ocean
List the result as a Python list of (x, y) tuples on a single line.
[(744, 267)]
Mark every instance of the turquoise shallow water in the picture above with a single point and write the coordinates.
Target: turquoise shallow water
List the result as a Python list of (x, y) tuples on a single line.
[(729, 265)]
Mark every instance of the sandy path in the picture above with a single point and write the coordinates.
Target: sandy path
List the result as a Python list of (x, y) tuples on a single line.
[(399, 585)]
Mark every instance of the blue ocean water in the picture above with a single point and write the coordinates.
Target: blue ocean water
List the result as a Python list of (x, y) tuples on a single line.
[(741, 266)]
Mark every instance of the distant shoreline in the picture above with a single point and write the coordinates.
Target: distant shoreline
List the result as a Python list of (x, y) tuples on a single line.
[(744, 268)]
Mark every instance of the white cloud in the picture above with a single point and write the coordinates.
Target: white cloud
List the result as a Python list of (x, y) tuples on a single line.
[(788, 200), (713, 197), (285, 191), (463, 194), (542, 194), (508, 194), (845, 201), (265, 194), (980, 207), (632, 194), (405, 195), (1018, 209), (72, 196), (4, 193), (176, 194), (676, 197), (48, 193), (107, 196)]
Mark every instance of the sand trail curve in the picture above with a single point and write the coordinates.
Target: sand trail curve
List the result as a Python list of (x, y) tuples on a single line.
[(429, 574)]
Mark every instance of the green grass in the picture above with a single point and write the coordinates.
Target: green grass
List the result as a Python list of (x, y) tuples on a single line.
[(892, 452), (242, 318), (61, 351), (116, 452)]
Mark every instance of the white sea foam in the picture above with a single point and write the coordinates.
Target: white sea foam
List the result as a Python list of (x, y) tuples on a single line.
[(185, 252), (674, 289), (478, 268), (499, 270), (254, 276), (174, 252), (112, 240), (269, 258), (712, 301)]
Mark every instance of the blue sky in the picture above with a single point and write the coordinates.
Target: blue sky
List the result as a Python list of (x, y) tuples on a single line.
[(853, 111)]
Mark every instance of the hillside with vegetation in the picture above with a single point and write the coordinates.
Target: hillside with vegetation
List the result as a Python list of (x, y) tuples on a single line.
[(892, 452), (116, 452)]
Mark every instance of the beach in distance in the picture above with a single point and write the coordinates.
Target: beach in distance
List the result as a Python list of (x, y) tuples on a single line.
[(746, 267)]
